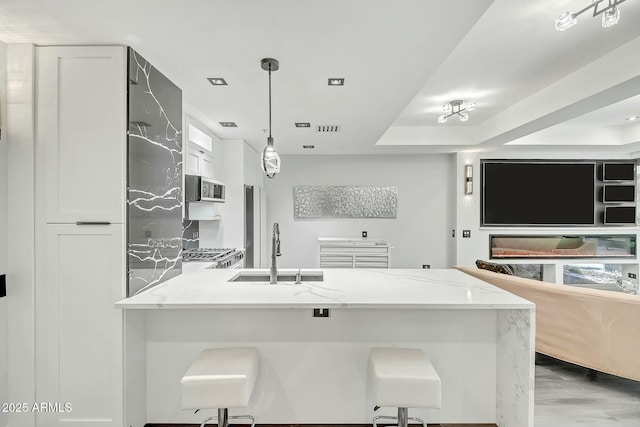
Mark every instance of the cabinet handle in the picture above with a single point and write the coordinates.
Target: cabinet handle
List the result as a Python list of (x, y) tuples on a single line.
[(93, 223), (201, 152)]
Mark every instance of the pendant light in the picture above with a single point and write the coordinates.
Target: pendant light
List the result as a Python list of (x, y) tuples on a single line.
[(270, 158)]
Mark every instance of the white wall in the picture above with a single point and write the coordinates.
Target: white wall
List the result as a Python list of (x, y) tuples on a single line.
[(253, 176), (232, 168), (21, 300), (4, 397), (421, 234), (239, 166)]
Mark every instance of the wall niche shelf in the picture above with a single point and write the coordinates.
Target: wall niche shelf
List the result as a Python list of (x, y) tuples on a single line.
[(602, 246)]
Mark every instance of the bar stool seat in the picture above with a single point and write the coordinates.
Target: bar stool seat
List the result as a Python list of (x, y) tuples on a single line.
[(403, 378), (221, 378)]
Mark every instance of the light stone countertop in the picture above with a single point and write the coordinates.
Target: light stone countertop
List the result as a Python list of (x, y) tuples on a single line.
[(195, 266), (352, 239), (341, 288)]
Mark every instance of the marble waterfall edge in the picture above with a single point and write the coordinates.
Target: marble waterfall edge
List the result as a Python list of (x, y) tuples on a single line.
[(515, 368)]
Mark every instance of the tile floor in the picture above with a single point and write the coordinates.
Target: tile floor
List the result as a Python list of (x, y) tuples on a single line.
[(566, 397)]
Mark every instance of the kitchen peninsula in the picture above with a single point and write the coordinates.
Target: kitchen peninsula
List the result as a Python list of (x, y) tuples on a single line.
[(313, 369)]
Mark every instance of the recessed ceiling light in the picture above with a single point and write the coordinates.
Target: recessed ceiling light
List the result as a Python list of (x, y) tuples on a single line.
[(303, 124), (228, 124), (308, 146), (633, 118), (217, 81), (336, 81)]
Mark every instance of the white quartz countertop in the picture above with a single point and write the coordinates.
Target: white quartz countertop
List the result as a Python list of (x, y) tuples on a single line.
[(195, 266), (341, 288)]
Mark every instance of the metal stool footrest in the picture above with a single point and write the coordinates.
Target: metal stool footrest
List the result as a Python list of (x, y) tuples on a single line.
[(232, 417), (388, 417)]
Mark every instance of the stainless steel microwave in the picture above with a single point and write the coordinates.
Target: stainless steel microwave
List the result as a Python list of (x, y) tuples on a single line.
[(201, 189)]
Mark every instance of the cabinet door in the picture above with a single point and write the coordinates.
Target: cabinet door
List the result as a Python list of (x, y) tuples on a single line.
[(81, 122), (207, 166), (192, 162), (83, 276)]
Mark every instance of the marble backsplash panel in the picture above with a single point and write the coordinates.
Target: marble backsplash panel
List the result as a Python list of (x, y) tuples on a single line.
[(154, 157), (191, 234)]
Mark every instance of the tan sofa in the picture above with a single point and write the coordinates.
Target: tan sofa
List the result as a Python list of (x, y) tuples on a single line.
[(589, 327)]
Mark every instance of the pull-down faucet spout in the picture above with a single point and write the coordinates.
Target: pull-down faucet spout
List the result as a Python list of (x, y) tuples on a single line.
[(275, 252)]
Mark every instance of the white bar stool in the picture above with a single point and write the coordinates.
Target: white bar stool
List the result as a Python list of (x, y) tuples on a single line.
[(221, 378), (403, 378)]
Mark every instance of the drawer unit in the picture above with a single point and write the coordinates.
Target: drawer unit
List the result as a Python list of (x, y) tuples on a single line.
[(336, 253)]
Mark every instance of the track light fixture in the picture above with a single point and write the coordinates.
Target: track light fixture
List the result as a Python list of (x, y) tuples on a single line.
[(456, 107), (609, 11)]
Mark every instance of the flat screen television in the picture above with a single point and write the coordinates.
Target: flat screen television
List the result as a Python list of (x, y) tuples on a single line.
[(618, 172), (618, 193), (538, 193), (620, 215)]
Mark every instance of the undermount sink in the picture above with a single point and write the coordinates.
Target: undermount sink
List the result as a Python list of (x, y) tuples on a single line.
[(286, 277)]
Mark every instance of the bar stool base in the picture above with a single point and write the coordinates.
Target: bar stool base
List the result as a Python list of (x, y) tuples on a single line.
[(223, 418), (402, 419)]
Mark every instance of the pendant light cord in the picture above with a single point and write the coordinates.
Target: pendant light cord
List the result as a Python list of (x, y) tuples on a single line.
[(269, 100)]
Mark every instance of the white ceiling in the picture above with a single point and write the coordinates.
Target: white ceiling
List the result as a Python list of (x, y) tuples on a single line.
[(402, 59)]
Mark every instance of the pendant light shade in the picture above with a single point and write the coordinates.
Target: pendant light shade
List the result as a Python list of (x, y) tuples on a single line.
[(270, 158)]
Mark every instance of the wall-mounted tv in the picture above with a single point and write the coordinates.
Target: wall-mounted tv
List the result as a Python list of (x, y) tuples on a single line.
[(538, 193), (618, 172), (618, 193), (620, 215)]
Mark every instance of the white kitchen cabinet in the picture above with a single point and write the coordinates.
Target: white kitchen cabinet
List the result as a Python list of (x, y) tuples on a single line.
[(81, 122), (192, 162), (202, 150), (198, 162), (80, 155), (81, 279), (208, 166), (353, 253)]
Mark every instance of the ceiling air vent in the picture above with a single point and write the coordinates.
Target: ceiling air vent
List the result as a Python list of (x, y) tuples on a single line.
[(328, 128)]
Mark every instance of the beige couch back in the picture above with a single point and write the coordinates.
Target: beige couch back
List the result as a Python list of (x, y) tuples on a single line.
[(589, 327)]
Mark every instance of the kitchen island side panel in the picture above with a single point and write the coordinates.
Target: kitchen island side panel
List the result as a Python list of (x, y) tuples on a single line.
[(314, 370), (515, 380)]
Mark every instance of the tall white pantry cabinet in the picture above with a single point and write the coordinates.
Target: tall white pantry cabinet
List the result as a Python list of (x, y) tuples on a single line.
[(81, 128)]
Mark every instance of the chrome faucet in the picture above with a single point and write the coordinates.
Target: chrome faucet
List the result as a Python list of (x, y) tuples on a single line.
[(275, 252)]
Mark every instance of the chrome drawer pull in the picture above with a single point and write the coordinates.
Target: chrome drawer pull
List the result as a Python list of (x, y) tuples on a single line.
[(93, 223)]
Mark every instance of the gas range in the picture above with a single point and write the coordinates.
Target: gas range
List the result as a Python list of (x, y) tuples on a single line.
[(220, 257)]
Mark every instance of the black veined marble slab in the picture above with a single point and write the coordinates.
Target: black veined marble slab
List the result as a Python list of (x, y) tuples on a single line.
[(154, 157)]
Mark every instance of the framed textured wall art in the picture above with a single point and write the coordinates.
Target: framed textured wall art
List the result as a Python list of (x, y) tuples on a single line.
[(345, 202)]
